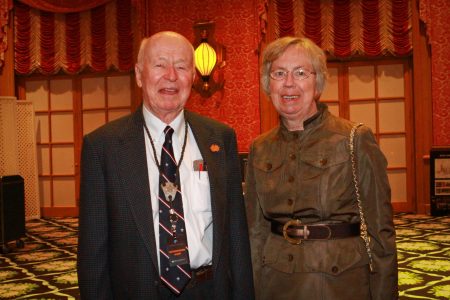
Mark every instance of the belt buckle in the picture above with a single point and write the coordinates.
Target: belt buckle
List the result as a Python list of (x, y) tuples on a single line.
[(293, 222)]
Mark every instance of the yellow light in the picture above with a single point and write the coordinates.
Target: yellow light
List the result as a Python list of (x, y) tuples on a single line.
[(205, 59)]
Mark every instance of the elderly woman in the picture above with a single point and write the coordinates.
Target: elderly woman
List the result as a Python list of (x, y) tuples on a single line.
[(313, 234)]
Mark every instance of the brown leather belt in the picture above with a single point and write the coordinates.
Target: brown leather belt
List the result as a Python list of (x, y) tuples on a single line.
[(295, 232), (200, 275)]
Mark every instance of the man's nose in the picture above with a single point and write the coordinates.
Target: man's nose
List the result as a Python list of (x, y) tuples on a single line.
[(171, 73)]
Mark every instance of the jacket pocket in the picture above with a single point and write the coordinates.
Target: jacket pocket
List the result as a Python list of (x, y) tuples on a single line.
[(278, 254), (320, 160), (333, 256), (199, 182), (268, 173)]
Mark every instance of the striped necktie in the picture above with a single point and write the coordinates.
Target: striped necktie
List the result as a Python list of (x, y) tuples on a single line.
[(175, 271)]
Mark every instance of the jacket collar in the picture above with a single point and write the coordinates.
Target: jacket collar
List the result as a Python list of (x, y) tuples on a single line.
[(308, 124)]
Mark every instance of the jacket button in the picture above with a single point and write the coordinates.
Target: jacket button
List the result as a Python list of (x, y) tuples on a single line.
[(290, 257), (292, 156), (323, 161), (269, 166), (291, 179), (290, 201), (156, 283), (334, 269)]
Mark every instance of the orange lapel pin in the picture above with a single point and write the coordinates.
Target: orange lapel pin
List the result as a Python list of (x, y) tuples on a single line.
[(214, 148)]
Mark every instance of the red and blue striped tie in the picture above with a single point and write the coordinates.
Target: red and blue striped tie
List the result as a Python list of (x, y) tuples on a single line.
[(175, 277)]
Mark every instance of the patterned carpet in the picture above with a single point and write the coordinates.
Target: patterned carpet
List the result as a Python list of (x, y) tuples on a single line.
[(423, 247), (46, 267)]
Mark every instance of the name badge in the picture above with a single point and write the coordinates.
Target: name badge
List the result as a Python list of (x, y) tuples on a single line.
[(176, 249)]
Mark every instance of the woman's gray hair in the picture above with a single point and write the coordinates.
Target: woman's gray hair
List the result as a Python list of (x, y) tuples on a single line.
[(276, 48)]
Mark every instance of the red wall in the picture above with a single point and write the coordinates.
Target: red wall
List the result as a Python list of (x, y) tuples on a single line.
[(235, 28), (437, 18)]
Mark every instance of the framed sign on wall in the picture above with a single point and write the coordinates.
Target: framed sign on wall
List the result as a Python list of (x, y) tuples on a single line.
[(440, 181)]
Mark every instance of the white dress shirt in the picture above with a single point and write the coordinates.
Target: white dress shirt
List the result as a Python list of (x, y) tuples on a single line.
[(195, 190)]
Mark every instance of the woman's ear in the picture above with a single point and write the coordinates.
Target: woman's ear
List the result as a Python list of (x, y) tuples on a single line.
[(317, 95)]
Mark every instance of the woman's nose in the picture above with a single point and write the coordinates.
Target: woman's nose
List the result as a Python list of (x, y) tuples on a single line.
[(289, 80)]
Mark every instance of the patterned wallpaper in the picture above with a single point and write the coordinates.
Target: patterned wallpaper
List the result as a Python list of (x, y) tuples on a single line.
[(440, 71), (236, 29), (435, 14)]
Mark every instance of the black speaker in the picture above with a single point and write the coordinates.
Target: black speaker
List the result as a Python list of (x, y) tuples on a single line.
[(12, 211)]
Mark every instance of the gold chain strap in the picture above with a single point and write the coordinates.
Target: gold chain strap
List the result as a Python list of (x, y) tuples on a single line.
[(364, 235)]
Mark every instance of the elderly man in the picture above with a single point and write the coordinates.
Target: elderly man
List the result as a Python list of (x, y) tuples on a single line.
[(161, 207)]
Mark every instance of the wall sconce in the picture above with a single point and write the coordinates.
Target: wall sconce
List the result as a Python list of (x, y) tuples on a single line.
[(209, 60)]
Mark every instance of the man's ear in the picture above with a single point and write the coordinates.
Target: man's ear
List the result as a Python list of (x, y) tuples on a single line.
[(138, 75)]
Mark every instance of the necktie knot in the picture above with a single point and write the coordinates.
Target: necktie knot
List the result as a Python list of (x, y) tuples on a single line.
[(168, 131), (168, 163)]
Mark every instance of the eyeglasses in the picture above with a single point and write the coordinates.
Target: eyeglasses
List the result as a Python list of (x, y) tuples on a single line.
[(298, 74)]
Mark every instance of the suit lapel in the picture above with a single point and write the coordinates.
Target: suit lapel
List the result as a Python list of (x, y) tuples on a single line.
[(213, 153), (132, 164)]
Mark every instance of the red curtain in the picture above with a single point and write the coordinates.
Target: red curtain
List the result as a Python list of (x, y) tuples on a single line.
[(285, 13), (344, 28), (22, 39), (98, 28), (371, 34), (313, 21), (401, 26), (99, 39), (73, 41), (64, 6)]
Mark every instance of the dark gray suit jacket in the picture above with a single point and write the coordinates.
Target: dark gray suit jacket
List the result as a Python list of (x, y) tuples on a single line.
[(117, 256)]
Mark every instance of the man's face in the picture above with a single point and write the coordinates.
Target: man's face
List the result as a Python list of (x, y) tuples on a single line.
[(165, 75)]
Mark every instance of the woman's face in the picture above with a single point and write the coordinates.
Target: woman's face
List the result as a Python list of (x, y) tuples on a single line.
[(294, 99)]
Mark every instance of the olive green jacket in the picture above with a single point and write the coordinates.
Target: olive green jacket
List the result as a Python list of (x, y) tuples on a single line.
[(308, 175)]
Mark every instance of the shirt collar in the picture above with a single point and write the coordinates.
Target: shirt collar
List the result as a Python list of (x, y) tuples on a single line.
[(156, 126)]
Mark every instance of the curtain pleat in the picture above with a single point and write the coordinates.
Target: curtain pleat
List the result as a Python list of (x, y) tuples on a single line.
[(400, 26), (73, 49), (98, 44), (22, 38), (125, 48), (47, 44), (371, 28), (313, 21), (285, 15), (341, 24)]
